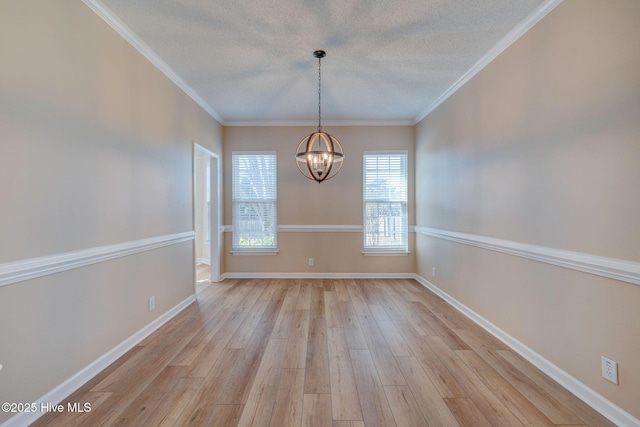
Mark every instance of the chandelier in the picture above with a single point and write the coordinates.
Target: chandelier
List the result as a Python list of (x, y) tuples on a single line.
[(319, 156)]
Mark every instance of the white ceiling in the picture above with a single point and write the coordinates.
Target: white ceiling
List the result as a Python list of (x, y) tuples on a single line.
[(388, 61)]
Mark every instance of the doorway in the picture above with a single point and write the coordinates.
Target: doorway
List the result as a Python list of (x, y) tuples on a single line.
[(207, 214)]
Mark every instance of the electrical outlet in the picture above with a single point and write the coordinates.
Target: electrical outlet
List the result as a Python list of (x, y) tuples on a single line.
[(152, 303), (433, 272), (310, 262), (0, 366), (610, 370)]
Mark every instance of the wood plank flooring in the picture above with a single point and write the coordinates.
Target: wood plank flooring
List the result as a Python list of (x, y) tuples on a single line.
[(334, 353)]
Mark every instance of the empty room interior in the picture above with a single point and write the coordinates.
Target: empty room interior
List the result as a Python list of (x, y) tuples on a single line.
[(333, 213)]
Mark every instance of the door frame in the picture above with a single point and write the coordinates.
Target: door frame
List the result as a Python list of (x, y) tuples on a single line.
[(215, 189)]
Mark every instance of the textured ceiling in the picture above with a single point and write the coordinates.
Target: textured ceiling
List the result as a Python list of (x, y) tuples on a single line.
[(387, 61)]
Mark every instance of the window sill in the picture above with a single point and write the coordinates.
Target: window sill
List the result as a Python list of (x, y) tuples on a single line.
[(254, 252), (385, 252)]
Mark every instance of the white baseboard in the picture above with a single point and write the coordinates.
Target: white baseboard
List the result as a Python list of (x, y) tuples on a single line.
[(203, 261), (607, 408), (65, 389), (301, 275)]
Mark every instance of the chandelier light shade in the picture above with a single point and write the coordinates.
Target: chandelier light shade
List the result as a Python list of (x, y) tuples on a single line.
[(319, 156)]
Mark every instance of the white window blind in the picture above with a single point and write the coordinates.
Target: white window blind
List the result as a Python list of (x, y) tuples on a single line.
[(385, 201), (254, 200)]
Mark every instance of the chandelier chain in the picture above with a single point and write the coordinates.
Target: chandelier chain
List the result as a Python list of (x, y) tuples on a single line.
[(319, 156), (319, 96)]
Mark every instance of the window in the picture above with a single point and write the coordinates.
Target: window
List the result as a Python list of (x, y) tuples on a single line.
[(254, 201), (385, 201)]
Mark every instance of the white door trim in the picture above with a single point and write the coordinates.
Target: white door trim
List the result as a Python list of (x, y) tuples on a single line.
[(216, 214)]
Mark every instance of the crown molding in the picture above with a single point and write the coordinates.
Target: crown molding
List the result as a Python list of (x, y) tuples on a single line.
[(312, 123), (126, 33), (525, 25)]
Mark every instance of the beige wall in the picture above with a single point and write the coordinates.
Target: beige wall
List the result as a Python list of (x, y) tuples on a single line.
[(337, 201), (542, 147), (95, 149)]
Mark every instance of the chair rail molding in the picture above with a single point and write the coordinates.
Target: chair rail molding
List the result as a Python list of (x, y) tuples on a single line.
[(626, 271), (19, 271), (322, 228)]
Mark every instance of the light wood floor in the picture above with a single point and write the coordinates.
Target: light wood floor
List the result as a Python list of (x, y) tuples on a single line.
[(203, 276), (335, 353)]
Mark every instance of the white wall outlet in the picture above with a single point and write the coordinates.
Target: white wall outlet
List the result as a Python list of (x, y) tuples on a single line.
[(610, 370), (433, 272), (152, 303), (310, 262)]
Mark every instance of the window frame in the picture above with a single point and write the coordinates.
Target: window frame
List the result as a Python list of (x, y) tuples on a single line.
[(236, 201), (400, 249)]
